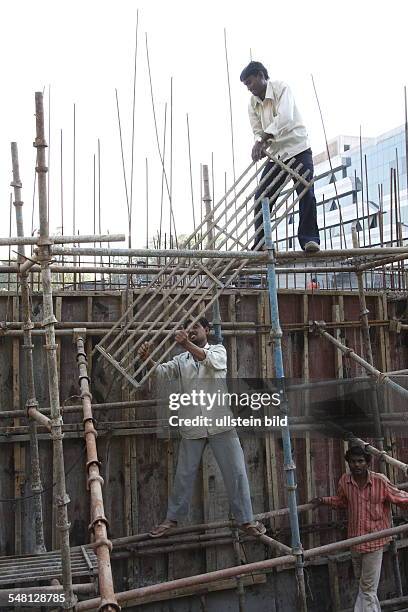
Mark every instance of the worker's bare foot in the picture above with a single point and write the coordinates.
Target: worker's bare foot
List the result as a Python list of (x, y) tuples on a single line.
[(254, 529), (162, 529)]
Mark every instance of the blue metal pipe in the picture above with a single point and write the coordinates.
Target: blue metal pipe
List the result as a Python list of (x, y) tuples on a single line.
[(276, 333)]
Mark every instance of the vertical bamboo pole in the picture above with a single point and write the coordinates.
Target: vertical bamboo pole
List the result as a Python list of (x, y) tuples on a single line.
[(374, 399), (99, 522), (216, 316), (289, 467), (36, 485), (44, 256)]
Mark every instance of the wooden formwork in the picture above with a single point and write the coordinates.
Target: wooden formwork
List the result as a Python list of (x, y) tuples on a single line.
[(138, 466)]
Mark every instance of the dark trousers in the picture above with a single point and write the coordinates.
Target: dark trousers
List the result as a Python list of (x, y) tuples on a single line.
[(307, 229)]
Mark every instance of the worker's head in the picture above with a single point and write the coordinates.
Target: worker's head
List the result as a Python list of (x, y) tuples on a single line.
[(255, 77), (358, 459), (198, 332)]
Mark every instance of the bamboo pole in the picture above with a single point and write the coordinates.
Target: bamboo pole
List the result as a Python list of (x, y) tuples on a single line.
[(242, 570), (99, 522), (364, 312), (18, 240), (44, 254), (379, 376), (31, 403)]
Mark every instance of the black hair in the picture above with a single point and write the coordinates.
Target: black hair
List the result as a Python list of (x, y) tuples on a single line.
[(204, 322), (253, 68), (357, 451)]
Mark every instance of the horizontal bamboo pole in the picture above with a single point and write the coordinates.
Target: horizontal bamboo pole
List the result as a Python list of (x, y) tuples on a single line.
[(379, 376), (382, 454), (243, 570), (211, 254), (146, 253), (40, 418), (15, 240), (86, 268)]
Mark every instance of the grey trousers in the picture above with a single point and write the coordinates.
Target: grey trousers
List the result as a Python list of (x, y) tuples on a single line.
[(230, 458), (367, 570)]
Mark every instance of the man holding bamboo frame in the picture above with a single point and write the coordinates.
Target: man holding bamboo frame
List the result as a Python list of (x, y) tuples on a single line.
[(278, 126), (205, 366)]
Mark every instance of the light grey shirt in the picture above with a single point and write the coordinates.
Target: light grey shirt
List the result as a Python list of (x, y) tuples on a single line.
[(278, 115), (208, 375)]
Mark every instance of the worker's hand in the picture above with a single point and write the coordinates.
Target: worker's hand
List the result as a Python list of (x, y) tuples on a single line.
[(316, 501), (258, 150), (181, 337), (144, 351)]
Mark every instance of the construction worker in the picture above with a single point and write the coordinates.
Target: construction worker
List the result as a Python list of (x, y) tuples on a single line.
[(366, 496), (277, 125), (313, 284), (203, 366)]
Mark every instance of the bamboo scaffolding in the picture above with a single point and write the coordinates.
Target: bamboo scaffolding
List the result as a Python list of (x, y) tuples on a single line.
[(99, 522), (44, 255), (31, 403), (242, 570), (174, 313), (379, 376), (26, 240)]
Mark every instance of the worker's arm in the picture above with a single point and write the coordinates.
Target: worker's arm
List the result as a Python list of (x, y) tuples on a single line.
[(169, 370), (395, 495), (285, 112), (334, 501), (261, 137)]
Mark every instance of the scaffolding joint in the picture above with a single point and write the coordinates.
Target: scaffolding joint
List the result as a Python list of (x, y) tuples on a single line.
[(395, 326), (79, 333), (91, 527), (94, 478), (63, 500), (49, 321), (107, 605), (84, 377)]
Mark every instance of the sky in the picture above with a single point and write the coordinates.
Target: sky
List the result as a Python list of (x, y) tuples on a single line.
[(80, 52)]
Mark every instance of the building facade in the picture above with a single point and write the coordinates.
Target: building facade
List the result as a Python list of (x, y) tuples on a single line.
[(361, 182)]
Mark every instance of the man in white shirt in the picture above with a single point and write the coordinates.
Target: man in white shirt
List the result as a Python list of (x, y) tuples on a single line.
[(277, 125), (208, 363)]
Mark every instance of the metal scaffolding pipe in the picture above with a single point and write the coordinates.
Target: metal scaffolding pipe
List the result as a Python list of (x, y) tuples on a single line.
[(289, 465), (31, 403), (99, 522), (241, 570), (44, 255)]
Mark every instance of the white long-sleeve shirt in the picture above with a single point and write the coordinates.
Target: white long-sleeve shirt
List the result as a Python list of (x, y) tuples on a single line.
[(208, 375), (278, 115)]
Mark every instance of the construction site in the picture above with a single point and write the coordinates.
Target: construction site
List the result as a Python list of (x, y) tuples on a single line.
[(87, 455)]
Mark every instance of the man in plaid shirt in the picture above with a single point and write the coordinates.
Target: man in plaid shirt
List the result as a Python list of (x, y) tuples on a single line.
[(367, 496)]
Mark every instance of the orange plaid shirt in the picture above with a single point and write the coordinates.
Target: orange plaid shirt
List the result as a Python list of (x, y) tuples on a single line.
[(369, 508)]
